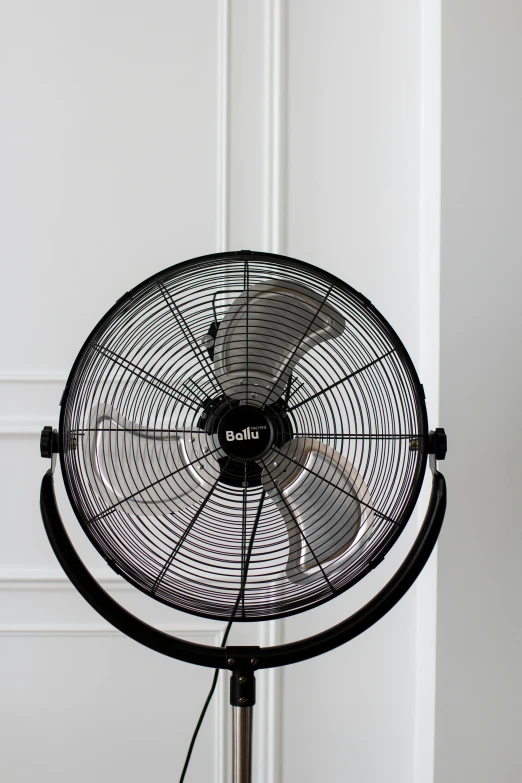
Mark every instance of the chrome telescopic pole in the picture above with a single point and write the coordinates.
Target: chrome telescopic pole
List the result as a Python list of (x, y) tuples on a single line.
[(243, 662), (242, 745)]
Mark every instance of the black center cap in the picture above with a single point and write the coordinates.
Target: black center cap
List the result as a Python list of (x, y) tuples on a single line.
[(245, 433)]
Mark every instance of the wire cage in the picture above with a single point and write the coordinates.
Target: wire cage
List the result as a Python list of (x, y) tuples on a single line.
[(243, 437)]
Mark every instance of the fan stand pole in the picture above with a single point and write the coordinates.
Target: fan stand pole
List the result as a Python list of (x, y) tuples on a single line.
[(242, 661), (242, 745)]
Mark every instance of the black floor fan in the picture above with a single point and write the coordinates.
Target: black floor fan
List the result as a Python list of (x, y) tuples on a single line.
[(243, 437)]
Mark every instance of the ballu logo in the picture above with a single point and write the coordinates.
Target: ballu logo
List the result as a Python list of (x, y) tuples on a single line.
[(249, 433)]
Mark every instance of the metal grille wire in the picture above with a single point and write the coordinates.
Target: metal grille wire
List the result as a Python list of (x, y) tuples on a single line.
[(195, 543)]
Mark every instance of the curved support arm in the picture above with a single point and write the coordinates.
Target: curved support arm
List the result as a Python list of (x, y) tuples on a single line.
[(267, 657), (99, 599)]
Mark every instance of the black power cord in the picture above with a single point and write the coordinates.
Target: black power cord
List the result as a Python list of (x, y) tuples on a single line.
[(225, 637), (207, 702)]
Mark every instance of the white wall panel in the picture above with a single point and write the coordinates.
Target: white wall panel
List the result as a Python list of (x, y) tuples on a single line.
[(88, 704), (352, 142), (109, 160)]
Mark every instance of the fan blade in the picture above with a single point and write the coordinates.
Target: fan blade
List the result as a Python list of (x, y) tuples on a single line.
[(324, 503), (263, 335), (144, 470)]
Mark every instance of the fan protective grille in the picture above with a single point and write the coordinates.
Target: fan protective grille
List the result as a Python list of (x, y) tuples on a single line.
[(166, 500)]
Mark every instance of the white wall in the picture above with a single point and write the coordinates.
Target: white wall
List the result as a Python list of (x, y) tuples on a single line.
[(137, 135), (479, 688)]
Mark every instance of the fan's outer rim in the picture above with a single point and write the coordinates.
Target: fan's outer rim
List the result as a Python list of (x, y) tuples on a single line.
[(238, 254)]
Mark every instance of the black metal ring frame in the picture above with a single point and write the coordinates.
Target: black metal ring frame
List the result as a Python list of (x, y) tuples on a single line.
[(386, 403), (267, 657)]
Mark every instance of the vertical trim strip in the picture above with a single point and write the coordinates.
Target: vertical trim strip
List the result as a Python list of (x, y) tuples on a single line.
[(268, 710), (429, 329), (223, 78), (270, 704), (274, 125), (269, 707)]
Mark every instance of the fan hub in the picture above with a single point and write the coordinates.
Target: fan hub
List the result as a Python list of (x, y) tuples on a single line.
[(245, 433)]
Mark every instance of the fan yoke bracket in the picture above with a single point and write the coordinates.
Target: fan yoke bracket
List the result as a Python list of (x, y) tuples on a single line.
[(244, 658), (242, 661)]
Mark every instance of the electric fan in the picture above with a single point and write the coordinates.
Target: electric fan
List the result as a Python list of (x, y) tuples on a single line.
[(243, 437)]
